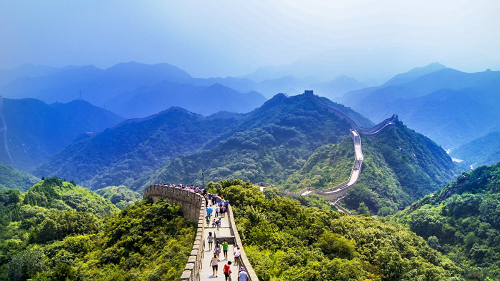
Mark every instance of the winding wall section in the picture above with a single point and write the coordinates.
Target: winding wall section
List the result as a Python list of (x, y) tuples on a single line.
[(336, 193)]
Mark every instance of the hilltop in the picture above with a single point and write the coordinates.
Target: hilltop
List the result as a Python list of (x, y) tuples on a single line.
[(400, 166), (268, 144)]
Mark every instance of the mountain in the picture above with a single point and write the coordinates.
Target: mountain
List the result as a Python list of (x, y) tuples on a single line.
[(8, 76), (337, 87), (11, 178), (370, 66), (447, 105), (400, 166), (37, 130), (481, 151), (268, 144), (414, 73), (92, 84), (135, 148), (147, 101), (462, 220), (241, 85)]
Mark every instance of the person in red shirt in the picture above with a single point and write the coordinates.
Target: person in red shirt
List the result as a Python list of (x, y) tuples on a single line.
[(227, 271)]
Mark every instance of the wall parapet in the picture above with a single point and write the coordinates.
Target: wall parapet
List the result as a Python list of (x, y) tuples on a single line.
[(193, 207)]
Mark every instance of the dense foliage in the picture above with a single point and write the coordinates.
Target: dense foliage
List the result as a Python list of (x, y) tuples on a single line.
[(270, 144), (53, 237), (134, 149), (11, 178), (462, 220), (119, 195), (287, 241)]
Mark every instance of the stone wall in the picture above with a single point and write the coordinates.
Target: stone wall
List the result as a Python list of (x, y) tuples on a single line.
[(193, 207)]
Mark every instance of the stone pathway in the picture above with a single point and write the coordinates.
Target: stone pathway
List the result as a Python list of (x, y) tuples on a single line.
[(206, 271)]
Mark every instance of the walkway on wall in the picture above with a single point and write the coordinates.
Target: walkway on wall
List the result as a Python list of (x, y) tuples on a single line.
[(193, 206), (224, 232)]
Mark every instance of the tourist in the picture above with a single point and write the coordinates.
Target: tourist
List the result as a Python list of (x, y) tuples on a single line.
[(217, 249), (242, 275), (227, 271), (237, 255), (214, 262), (210, 241), (224, 245)]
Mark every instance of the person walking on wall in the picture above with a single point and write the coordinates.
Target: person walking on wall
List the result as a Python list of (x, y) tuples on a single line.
[(210, 241), (214, 262), (224, 246), (242, 275), (237, 255), (227, 271)]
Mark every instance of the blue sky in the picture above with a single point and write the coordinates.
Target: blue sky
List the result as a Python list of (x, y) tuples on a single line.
[(222, 38)]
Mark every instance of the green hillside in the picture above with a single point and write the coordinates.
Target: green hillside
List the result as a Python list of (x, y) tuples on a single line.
[(287, 241), (11, 178), (134, 149), (400, 167), (119, 195), (269, 144), (59, 231), (462, 220)]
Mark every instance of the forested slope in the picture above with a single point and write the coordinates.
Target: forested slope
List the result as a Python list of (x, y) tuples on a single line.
[(134, 149), (11, 178), (400, 167), (59, 231), (462, 220), (287, 241), (269, 144)]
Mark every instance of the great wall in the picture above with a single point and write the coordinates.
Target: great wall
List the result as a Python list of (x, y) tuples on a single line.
[(193, 205), (336, 193)]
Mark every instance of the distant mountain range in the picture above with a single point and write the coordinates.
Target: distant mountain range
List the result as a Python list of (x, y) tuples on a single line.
[(36, 130), (203, 100), (129, 89), (138, 90), (449, 106)]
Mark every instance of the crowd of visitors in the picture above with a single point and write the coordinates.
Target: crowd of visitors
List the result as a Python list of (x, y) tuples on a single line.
[(218, 207)]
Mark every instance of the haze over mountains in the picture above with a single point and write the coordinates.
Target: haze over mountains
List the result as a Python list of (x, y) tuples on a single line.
[(449, 106), (36, 130)]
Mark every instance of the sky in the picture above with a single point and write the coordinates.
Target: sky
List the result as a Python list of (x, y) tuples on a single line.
[(234, 38)]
